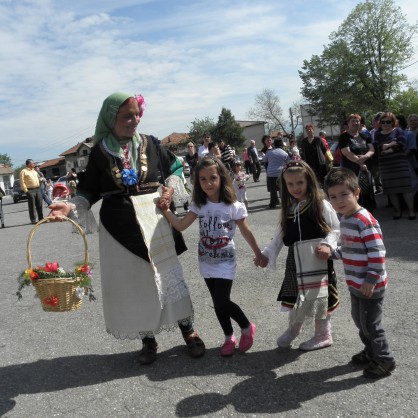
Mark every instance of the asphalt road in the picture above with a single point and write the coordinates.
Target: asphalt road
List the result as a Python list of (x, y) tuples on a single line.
[(65, 365)]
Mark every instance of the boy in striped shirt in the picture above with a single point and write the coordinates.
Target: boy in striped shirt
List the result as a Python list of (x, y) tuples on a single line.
[(363, 254)]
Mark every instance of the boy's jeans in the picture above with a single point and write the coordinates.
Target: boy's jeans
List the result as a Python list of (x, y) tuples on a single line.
[(367, 315)]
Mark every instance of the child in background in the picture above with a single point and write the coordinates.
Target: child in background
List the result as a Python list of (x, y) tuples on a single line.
[(239, 183), (306, 215), (215, 205), (363, 253)]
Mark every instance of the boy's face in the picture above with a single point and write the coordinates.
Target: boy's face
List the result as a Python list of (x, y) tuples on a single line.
[(343, 200)]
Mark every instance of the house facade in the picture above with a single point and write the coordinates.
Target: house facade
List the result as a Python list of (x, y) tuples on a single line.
[(309, 116), (6, 178), (78, 156)]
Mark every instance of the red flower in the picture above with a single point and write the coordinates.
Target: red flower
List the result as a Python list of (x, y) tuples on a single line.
[(53, 301), (83, 269), (33, 274), (51, 267)]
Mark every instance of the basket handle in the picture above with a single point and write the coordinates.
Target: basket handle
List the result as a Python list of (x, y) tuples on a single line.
[(46, 220)]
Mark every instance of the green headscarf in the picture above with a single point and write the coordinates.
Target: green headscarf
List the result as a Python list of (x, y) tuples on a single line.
[(106, 122)]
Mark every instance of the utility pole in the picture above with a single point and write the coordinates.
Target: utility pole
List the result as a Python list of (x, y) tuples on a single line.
[(291, 123)]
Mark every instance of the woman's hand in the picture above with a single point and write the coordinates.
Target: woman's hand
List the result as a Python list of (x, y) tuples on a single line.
[(261, 260), (58, 210)]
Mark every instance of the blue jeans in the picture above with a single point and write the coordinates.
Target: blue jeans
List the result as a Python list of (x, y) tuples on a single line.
[(367, 316)]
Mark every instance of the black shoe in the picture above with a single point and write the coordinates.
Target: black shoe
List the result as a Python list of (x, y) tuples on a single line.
[(195, 345), (361, 358), (2, 225), (148, 354), (377, 370)]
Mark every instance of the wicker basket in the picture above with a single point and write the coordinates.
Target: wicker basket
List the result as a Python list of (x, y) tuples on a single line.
[(61, 288)]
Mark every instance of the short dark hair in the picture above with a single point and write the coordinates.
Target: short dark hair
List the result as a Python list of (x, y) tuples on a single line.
[(28, 161), (341, 176), (278, 143)]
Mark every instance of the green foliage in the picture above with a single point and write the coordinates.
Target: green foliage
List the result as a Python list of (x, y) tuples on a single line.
[(6, 160), (406, 102), (17, 170), (229, 129), (199, 127), (360, 70)]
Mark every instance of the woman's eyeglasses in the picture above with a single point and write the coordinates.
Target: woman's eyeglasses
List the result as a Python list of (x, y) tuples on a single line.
[(386, 122)]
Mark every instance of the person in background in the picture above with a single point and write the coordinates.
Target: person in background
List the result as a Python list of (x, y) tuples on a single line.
[(393, 165), (246, 160), (357, 152), (411, 141), (239, 180), (29, 184), (42, 186), (203, 149), (227, 155), (214, 150), (375, 162), (49, 188), (276, 159), (313, 152), (294, 150), (2, 194), (191, 159), (254, 161), (328, 155), (143, 287)]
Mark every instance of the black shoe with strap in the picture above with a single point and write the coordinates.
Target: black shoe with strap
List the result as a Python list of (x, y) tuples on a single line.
[(195, 345), (148, 354)]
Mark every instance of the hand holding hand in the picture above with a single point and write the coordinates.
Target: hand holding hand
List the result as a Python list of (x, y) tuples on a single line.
[(261, 261)]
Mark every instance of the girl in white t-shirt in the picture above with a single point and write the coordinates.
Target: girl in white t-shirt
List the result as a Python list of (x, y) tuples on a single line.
[(216, 207)]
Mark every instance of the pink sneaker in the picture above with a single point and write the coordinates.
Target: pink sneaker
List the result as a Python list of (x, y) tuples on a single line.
[(228, 348), (247, 339)]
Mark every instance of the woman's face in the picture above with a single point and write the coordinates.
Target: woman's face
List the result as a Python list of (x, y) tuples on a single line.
[(127, 120), (354, 125), (386, 124)]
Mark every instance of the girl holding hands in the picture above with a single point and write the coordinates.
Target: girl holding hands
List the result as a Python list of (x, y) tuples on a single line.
[(215, 204)]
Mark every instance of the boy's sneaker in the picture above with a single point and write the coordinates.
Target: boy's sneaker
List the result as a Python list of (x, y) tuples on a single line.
[(361, 358), (247, 338), (228, 348), (377, 370)]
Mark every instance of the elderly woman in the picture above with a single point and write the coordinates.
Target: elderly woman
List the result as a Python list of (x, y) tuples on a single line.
[(396, 177), (357, 150), (143, 288)]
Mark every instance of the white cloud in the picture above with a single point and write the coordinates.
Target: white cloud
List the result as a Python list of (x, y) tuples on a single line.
[(189, 59)]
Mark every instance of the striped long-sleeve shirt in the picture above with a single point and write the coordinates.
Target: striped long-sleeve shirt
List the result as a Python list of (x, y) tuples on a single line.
[(363, 252)]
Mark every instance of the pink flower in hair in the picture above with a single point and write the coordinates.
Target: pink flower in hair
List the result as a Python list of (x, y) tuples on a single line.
[(141, 104)]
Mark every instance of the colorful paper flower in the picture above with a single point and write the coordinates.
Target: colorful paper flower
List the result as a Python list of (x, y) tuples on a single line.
[(141, 104), (79, 292), (51, 267), (129, 177)]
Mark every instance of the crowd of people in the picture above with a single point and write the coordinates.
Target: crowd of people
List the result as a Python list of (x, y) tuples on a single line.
[(326, 215)]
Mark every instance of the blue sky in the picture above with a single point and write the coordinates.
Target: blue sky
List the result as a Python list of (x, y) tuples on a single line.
[(60, 59)]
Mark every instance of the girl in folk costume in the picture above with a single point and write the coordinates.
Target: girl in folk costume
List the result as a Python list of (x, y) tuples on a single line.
[(216, 206), (239, 183), (143, 287), (309, 226)]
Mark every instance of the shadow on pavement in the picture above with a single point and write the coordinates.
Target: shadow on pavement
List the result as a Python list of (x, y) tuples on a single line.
[(265, 391)]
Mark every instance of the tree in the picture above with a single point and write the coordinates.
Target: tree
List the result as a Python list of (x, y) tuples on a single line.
[(406, 102), (6, 160), (17, 170), (267, 108), (199, 127), (229, 129), (360, 70)]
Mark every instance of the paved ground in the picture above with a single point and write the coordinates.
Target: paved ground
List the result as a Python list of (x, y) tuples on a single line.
[(66, 365)]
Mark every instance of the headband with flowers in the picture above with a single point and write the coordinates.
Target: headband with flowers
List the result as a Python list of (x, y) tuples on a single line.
[(141, 103)]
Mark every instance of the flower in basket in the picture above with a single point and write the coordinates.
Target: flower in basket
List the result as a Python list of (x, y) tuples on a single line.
[(52, 270)]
